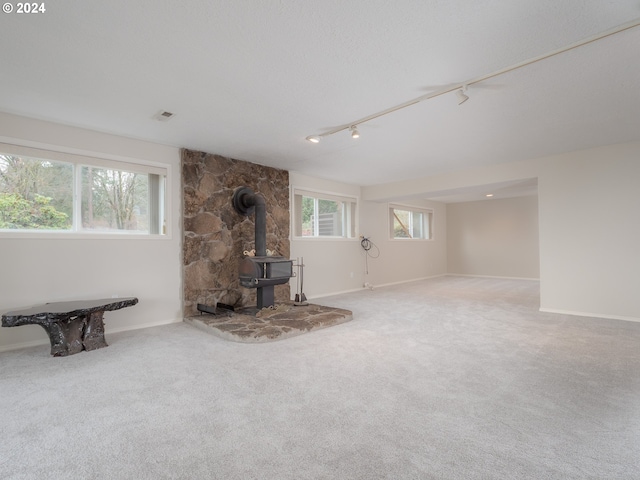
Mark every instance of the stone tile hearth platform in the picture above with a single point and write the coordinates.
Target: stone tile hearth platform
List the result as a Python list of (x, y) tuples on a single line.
[(269, 324)]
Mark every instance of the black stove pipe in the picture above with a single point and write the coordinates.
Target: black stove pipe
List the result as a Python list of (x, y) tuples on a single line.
[(245, 201)]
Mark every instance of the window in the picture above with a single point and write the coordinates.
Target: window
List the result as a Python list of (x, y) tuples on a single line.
[(410, 222), (51, 191), (323, 215)]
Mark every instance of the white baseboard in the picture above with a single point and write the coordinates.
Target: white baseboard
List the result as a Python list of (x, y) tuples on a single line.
[(590, 314), (322, 295), (341, 292), (374, 287), (18, 346), (144, 325), (410, 281), (493, 276), (36, 343)]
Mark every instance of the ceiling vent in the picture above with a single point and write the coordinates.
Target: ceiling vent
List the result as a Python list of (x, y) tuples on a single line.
[(164, 116)]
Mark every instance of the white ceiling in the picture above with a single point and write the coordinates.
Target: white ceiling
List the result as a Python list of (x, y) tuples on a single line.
[(492, 191), (250, 79)]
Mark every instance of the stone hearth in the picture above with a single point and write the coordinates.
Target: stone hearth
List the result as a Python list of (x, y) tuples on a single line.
[(269, 324)]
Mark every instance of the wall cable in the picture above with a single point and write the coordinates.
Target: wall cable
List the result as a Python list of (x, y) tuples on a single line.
[(367, 245)]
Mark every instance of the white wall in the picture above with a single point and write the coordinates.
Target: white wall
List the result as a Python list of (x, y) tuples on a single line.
[(589, 227), (405, 260), (331, 265), (494, 237), (590, 232), (37, 270), (334, 266)]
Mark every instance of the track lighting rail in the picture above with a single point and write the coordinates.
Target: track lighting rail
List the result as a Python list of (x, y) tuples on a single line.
[(463, 86)]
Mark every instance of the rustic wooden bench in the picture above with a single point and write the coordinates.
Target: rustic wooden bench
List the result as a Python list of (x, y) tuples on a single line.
[(72, 326)]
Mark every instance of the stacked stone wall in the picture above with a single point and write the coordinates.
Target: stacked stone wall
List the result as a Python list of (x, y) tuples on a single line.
[(215, 235)]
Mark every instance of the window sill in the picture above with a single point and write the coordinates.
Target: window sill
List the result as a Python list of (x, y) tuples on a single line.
[(49, 235), (411, 239), (325, 239)]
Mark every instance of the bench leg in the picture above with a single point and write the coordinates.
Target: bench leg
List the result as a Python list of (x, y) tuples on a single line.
[(94, 332), (72, 335), (65, 336)]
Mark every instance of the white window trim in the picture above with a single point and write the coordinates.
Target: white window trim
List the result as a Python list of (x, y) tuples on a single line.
[(130, 165), (414, 208), (325, 195), (79, 157)]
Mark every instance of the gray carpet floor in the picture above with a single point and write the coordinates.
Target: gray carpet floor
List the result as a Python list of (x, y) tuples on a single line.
[(449, 378)]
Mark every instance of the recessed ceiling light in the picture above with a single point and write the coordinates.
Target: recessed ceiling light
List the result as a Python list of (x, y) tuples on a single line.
[(313, 138), (489, 195)]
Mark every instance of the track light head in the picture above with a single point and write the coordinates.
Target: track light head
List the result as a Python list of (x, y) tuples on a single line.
[(313, 138), (461, 96), (354, 131)]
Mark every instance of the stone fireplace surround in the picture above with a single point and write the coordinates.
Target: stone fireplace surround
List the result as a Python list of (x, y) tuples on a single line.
[(215, 237)]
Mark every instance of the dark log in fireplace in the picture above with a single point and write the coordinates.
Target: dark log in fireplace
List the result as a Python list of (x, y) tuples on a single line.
[(260, 271)]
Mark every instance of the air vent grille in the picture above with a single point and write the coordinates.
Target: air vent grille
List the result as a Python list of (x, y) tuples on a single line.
[(164, 116)]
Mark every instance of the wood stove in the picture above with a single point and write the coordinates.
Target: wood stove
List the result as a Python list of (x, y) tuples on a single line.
[(256, 272), (260, 271)]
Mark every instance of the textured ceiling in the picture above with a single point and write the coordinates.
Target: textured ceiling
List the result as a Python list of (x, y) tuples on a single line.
[(251, 79)]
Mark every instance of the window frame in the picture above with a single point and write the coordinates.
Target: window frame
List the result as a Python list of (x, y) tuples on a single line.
[(428, 215), (79, 160), (296, 214)]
